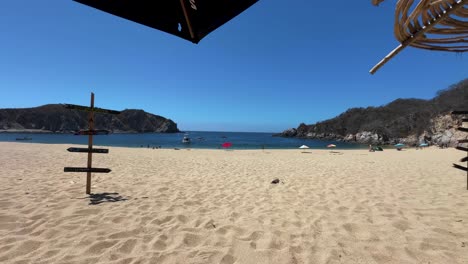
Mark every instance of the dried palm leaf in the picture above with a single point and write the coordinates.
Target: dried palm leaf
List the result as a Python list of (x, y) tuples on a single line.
[(429, 24)]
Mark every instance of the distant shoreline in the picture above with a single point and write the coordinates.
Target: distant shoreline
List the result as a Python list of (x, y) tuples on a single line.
[(30, 131), (202, 140), (41, 131)]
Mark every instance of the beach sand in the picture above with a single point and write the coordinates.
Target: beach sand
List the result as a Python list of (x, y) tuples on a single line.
[(216, 206)]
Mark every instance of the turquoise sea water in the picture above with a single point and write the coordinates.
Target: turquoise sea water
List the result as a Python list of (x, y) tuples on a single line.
[(206, 140)]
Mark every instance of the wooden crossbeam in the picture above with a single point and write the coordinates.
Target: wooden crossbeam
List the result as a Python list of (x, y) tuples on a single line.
[(460, 167), (460, 113), (461, 141), (92, 132), (88, 170), (461, 148), (87, 150), (95, 109)]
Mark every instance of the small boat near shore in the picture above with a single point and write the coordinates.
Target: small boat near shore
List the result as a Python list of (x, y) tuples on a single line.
[(186, 139), (23, 138)]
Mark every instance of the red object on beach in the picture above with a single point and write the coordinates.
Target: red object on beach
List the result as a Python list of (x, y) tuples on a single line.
[(227, 145)]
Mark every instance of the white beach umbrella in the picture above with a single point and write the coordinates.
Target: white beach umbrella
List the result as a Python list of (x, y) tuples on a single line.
[(303, 147)]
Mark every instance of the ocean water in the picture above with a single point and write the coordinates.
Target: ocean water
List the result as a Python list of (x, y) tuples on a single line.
[(205, 140)]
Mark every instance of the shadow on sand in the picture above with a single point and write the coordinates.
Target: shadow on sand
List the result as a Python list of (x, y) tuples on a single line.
[(98, 198)]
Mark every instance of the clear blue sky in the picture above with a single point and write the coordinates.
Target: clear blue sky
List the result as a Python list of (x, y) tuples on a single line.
[(276, 65)]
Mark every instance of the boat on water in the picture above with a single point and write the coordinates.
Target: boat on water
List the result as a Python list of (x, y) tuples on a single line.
[(186, 139), (24, 138)]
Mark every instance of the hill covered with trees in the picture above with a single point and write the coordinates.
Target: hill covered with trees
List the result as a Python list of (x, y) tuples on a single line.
[(410, 121), (56, 118)]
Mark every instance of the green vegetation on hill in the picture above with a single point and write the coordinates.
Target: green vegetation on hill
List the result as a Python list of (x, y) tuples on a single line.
[(57, 118), (386, 124)]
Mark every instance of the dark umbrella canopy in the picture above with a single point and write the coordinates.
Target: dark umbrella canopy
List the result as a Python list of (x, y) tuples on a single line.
[(188, 19)]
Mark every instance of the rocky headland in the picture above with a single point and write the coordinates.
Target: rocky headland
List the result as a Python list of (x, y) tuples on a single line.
[(56, 118), (409, 121)]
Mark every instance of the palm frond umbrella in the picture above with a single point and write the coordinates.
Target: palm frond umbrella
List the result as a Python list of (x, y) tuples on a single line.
[(189, 19), (429, 24)]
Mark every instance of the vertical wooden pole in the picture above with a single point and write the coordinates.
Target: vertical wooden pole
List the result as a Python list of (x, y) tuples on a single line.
[(90, 145), (189, 25)]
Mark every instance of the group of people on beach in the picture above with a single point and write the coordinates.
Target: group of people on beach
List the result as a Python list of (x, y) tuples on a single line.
[(373, 149), (154, 147)]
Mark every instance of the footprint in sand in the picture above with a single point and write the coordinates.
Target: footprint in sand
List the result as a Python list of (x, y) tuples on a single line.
[(50, 253), (124, 234), (162, 221), (228, 259), (159, 245), (99, 247), (163, 189), (23, 249), (5, 249), (210, 224), (207, 256), (435, 244), (381, 258), (401, 225), (118, 220), (38, 216), (276, 243), (359, 233), (143, 208), (190, 203), (37, 233), (182, 218), (127, 246), (191, 240), (88, 212), (253, 238)]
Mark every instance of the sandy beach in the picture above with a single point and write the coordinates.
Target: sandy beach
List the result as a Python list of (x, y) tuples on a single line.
[(215, 206)]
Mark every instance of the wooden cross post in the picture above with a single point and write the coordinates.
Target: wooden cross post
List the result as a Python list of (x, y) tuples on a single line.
[(90, 150), (461, 141), (90, 145)]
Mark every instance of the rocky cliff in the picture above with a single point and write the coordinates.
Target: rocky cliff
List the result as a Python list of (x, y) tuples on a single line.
[(410, 121), (56, 118)]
